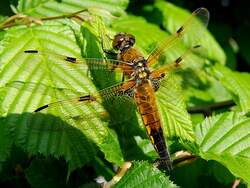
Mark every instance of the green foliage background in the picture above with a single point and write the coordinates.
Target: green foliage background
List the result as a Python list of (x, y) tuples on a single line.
[(48, 150)]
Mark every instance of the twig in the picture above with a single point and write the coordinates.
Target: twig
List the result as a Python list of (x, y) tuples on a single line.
[(183, 157), (20, 19), (236, 183), (207, 109), (119, 175), (70, 15)]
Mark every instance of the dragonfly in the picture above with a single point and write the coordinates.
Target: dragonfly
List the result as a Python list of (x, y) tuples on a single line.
[(142, 81)]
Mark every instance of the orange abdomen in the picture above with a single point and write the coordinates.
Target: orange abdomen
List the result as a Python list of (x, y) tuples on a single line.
[(146, 103)]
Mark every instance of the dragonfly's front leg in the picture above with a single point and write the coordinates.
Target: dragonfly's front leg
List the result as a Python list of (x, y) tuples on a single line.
[(109, 52)]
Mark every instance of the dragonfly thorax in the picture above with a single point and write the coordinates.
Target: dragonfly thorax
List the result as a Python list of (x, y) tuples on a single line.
[(141, 70)]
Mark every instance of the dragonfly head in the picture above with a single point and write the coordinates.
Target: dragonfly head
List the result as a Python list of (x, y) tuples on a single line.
[(123, 41)]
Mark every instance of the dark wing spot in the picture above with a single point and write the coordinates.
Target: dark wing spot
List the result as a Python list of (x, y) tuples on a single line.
[(197, 46), (70, 59), (180, 30), (41, 108), (178, 60), (31, 51), (84, 98)]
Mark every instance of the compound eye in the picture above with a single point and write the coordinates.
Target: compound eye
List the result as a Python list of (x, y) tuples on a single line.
[(131, 40), (118, 39)]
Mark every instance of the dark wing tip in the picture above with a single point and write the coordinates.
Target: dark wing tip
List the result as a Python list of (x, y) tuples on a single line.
[(203, 14), (41, 108), (178, 60), (70, 59), (31, 51), (84, 98), (180, 30), (197, 46), (200, 9)]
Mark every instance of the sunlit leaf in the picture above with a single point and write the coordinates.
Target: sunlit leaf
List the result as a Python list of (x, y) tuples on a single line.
[(142, 175), (43, 8), (237, 84), (226, 139)]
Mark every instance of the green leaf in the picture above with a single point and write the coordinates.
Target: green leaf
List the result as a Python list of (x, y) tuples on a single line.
[(200, 173), (64, 140), (43, 8), (226, 139), (189, 175), (146, 146), (221, 173), (237, 84), (142, 175), (27, 84), (176, 120)]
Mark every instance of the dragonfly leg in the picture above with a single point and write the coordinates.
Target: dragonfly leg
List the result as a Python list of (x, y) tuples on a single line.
[(123, 77), (110, 52)]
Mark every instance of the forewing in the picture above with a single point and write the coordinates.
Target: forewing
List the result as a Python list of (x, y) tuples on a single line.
[(59, 67), (193, 29), (82, 63), (83, 109)]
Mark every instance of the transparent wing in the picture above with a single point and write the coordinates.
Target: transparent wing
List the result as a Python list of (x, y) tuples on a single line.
[(70, 63), (194, 26), (87, 108), (177, 64), (70, 72)]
